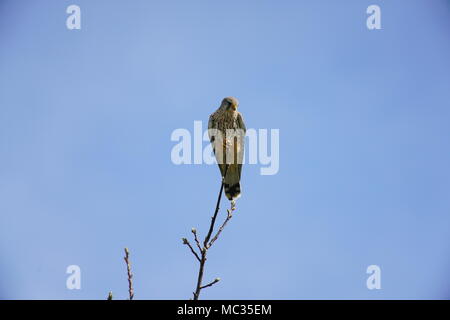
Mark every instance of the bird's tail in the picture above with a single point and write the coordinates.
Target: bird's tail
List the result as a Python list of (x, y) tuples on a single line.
[(232, 191), (232, 183)]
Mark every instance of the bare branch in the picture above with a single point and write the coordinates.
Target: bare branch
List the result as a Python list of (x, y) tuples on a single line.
[(228, 218), (213, 218), (130, 275), (194, 231), (200, 275), (204, 250), (206, 242), (186, 242), (211, 283)]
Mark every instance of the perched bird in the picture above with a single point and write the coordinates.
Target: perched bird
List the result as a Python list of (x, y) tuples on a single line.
[(226, 130)]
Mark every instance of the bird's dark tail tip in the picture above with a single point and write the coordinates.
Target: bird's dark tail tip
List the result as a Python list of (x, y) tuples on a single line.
[(233, 192)]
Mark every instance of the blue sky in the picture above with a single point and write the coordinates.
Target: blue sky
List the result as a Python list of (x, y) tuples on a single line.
[(85, 170)]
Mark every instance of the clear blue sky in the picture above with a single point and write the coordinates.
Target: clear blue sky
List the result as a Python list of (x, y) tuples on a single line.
[(85, 170)]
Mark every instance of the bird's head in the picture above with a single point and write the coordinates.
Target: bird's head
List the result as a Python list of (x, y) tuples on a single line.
[(230, 104)]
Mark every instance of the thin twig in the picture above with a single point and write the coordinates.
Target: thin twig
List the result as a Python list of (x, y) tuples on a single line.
[(200, 275), (206, 246), (211, 283), (130, 275), (186, 242), (206, 242), (228, 218), (194, 231), (213, 219)]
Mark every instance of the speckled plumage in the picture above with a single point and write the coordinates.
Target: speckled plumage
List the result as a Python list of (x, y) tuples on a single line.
[(229, 122)]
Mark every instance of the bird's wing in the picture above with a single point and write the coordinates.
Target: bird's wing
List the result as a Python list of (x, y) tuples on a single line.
[(212, 124), (241, 125)]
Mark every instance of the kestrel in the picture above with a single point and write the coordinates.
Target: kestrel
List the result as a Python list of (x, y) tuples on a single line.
[(226, 130)]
